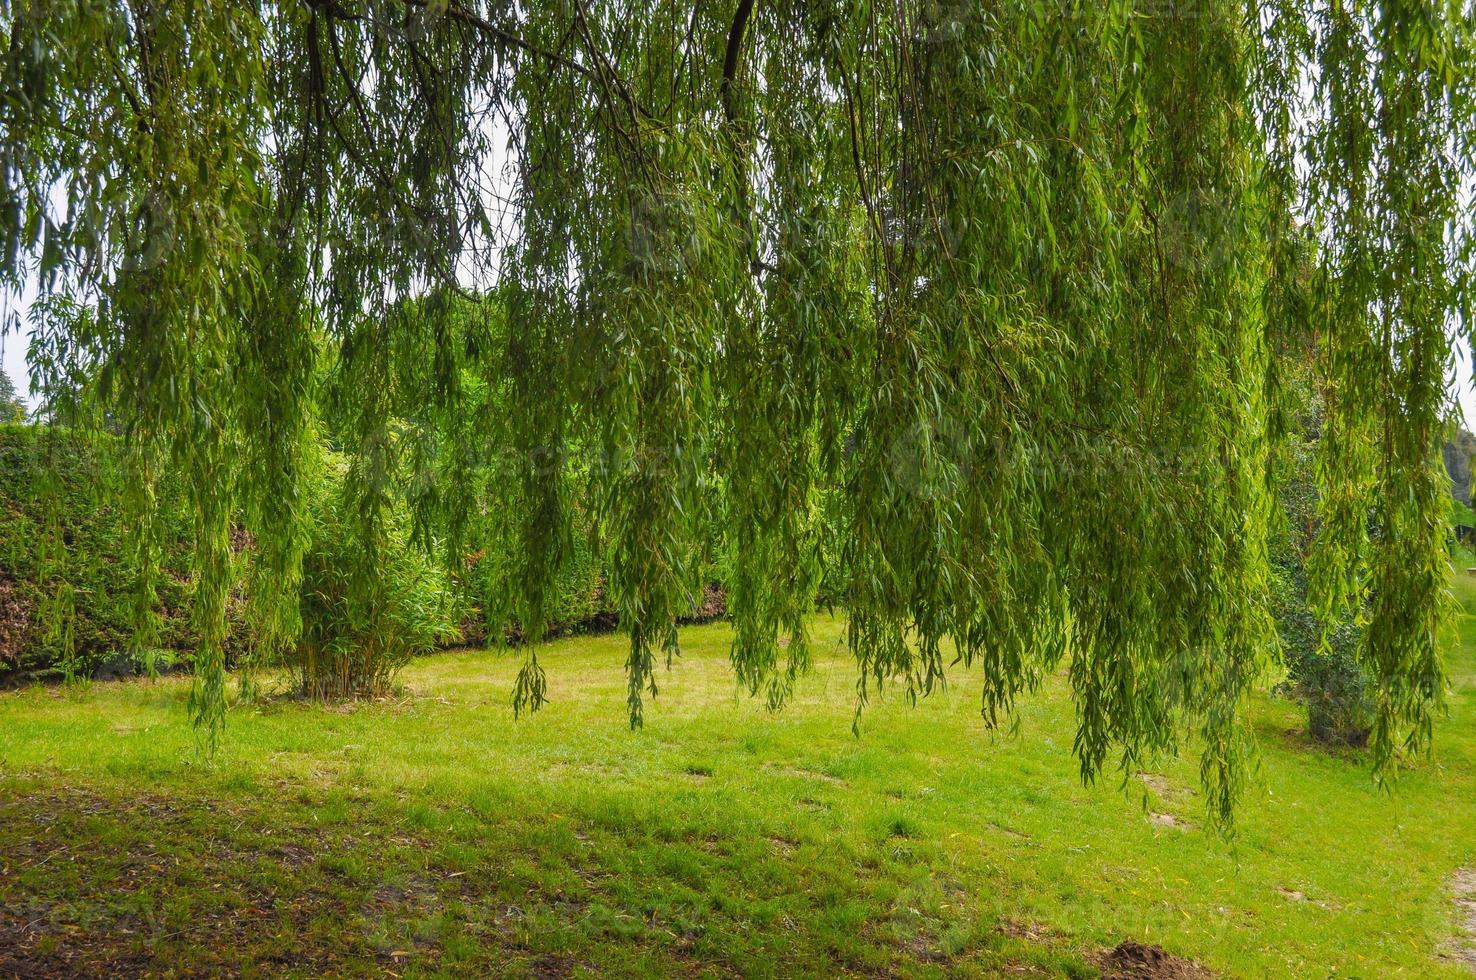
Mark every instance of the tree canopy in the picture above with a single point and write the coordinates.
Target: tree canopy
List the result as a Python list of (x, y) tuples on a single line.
[(971, 303), (12, 409)]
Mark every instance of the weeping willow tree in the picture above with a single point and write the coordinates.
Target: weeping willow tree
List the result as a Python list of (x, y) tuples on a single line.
[(969, 306)]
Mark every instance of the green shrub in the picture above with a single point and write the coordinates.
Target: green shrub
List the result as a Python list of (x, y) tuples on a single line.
[(1328, 680), (365, 610), (1327, 677), (12, 409)]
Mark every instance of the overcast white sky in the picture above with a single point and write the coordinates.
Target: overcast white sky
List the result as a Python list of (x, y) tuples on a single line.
[(14, 361), (1466, 392), (12, 345)]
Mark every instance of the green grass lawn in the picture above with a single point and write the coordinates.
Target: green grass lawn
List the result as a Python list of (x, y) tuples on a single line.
[(433, 833)]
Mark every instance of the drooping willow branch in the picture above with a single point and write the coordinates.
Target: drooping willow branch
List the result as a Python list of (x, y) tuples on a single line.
[(960, 314)]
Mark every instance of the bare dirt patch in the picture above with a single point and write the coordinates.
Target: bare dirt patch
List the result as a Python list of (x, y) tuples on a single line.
[(1169, 820), (552, 966), (1032, 932), (1159, 784), (782, 845), (1132, 960), (1463, 887), (1013, 834)]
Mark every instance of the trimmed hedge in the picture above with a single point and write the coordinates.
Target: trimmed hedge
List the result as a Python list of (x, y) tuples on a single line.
[(67, 584)]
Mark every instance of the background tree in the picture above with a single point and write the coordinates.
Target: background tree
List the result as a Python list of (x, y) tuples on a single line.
[(12, 408)]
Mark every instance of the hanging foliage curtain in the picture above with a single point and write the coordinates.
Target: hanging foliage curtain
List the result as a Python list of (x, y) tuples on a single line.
[(967, 304)]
